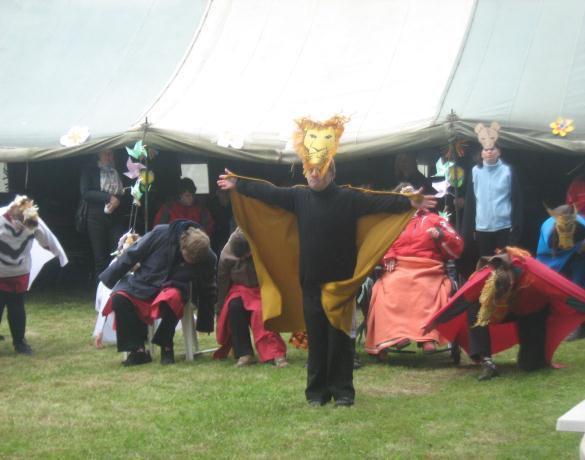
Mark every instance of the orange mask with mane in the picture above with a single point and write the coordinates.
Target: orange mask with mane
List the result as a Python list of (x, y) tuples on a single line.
[(316, 142)]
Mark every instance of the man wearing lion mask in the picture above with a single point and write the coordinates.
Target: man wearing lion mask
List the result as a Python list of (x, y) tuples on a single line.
[(312, 247)]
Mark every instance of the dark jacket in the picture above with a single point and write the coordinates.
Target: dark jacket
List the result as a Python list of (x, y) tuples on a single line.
[(233, 270), (161, 265), (90, 189), (327, 223)]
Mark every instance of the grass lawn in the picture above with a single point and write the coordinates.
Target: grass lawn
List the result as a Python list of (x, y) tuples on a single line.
[(70, 400)]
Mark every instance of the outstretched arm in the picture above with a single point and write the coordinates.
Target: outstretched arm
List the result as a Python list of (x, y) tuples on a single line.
[(282, 197), (372, 203)]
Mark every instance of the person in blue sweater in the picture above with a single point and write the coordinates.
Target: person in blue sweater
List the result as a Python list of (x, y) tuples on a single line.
[(493, 204)]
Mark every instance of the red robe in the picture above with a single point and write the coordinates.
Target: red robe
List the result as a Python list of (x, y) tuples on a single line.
[(414, 241), (537, 286), (397, 313), (269, 345)]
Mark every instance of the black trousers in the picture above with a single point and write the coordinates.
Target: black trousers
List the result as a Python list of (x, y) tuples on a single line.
[(16, 314), (531, 335), (330, 364), (131, 332), (488, 242), (239, 319), (165, 333), (104, 232)]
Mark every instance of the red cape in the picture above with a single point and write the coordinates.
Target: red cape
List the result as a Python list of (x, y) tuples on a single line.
[(538, 286)]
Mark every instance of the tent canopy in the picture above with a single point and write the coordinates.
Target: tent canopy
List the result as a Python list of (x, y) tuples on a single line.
[(227, 77)]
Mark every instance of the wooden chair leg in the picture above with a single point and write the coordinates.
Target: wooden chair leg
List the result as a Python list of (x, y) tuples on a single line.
[(188, 330)]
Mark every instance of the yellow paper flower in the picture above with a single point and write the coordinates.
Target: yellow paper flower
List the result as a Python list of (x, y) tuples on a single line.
[(562, 126), (146, 180)]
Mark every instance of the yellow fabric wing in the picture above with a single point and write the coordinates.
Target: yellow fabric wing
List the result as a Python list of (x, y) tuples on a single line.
[(274, 239)]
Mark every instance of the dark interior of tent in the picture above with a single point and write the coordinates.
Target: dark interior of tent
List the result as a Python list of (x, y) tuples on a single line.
[(54, 184)]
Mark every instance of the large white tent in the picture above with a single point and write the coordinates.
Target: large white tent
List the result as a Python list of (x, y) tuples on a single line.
[(227, 77)]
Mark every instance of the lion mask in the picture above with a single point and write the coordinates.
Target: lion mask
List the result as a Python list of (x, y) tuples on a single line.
[(316, 142)]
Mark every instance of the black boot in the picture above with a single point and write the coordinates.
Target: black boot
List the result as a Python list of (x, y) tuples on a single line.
[(23, 348), (136, 358), (488, 370), (167, 356)]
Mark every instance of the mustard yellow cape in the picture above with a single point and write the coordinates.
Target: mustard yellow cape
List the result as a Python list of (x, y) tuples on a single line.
[(274, 239)]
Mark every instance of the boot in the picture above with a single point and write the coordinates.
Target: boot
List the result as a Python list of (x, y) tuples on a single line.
[(23, 348), (167, 356), (488, 370), (136, 358)]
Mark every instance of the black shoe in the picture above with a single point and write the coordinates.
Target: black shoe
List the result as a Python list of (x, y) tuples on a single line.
[(316, 402), (23, 348), (136, 358), (167, 356), (488, 370), (344, 402)]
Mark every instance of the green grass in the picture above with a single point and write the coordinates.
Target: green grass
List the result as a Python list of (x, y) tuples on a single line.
[(70, 400)]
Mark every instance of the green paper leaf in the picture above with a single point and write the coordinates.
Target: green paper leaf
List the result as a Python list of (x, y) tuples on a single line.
[(138, 151)]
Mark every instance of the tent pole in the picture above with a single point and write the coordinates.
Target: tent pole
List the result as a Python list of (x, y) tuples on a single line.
[(26, 176), (452, 118), (147, 184)]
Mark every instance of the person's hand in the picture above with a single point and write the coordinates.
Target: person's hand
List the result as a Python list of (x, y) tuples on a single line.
[(99, 344), (114, 202), (434, 233), (225, 181), (428, 202), (389, 264)]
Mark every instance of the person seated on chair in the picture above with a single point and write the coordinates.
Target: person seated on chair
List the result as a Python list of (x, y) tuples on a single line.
[(187, 207), (241, 308), (414, 284), (511, 298), (172, 257)]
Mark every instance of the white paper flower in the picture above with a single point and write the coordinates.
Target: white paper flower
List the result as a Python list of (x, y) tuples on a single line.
[(76, 135)]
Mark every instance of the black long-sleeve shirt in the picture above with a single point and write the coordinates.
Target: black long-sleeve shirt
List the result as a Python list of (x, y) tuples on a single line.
[(327, 222)]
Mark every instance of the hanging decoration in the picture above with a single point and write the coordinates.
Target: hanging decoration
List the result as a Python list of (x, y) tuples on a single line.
[(457, 147), (453, 174), (139, 171), (76, 135), (562, 126), (138, 152), (133, 169)]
